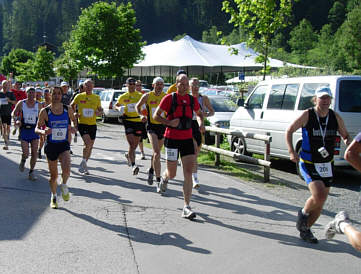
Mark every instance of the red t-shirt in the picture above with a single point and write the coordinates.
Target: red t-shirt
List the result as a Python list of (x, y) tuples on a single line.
[(19, 95), (166, 104)]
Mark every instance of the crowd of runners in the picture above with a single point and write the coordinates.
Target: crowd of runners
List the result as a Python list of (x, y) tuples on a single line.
[(48, 117)]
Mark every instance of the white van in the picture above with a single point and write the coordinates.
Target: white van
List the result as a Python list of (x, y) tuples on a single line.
[(274, 104)]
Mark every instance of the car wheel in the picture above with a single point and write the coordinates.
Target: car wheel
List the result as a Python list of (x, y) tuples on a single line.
[(104, 118), (238, 145)]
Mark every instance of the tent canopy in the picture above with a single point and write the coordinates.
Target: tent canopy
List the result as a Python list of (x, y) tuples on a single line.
[(198, 58)]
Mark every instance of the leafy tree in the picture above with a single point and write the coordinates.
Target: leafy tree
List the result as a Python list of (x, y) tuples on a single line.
[(261, 19), (211, 35), (67, 68), (336, 15), (26, 71), (43, 64), (348, 41), (303, 38), (15, 56), (105, 39)]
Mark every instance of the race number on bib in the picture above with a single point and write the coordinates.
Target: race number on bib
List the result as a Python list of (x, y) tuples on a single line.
[(171, 154), (153, 111), (30, 118), (59, 134), (88, 112), (131, 107), (324, 169)]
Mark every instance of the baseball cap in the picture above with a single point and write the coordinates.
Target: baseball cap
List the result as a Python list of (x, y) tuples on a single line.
[(158, 79), (130, 80), (181, 71), (38, 90), (29, 89), (321, 91), (64, 84)]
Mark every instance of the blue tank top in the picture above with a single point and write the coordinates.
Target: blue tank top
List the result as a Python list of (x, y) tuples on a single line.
[(59, 125)]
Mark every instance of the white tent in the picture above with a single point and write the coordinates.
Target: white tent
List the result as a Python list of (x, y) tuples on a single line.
[(197, 58)]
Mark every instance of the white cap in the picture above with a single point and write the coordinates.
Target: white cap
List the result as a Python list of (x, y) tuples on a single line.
[(64, 84), (321, 91), (158, 79)]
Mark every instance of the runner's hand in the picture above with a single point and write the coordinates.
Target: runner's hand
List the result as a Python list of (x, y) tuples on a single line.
[(174, 122), (47, 131), (294, 157)]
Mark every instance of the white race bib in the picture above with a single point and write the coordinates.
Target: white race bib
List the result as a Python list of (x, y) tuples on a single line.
[(171, 154), (88, 112), (30, 118), (131, 107), (58, 134), (324, 169), (4, 101)]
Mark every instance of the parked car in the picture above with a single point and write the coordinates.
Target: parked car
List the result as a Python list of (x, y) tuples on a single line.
[(108, 99), (212, 91), (98, 90), (223, 111), (273, 105)]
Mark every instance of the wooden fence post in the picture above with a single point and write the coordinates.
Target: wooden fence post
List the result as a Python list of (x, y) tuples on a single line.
[(218, 142), (266, 170)]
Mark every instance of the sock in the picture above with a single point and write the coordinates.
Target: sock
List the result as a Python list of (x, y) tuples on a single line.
[(151, 170), (53, 196), (133, 164), (31, 171), (343, 226), (158, 179), (304, 212)]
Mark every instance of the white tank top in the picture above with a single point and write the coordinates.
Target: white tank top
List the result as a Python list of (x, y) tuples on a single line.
[(30, 115)]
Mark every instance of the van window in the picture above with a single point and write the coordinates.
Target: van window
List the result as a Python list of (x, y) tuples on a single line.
[(257, 97), (350, 96), (308, 91), (283, 96), (103, 95)]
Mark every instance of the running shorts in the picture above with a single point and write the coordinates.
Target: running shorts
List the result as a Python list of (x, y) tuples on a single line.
[(310, 174), (53, 150), (28, 135), (175, 147), (197, 135), (6, 119), (135, 128), (90, 130), (156, 129)]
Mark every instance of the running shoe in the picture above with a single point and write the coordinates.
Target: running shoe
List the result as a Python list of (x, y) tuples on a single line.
[(86, 171), (82, 167), (333, 227), (188, 213), (53, 203), (308, 237), (150, 176), (158, 187), (135, 170), (5, 147), (75, 138), (64, 192), (301, 224), (32, 177), (22, 165), (14, 131), (163, 184), (127, 157), (195, 182), (142, 157)]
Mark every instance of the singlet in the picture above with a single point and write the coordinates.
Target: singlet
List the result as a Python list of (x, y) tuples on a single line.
[(59, 125), (87, 105), (129, 100), (312, 137), (152, 104), (200, 101), (29, 115)]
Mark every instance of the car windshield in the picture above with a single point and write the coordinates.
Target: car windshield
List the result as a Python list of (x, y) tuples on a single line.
[(222, 104), (350, 96), (117, 94)]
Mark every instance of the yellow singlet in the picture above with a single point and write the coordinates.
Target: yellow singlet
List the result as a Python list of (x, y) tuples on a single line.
[(129, 100), (87, 105)]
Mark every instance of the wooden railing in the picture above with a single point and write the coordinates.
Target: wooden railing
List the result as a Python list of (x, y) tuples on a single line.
[(240, 157)]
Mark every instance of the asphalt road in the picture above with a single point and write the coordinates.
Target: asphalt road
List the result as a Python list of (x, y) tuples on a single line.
[(116, 223)]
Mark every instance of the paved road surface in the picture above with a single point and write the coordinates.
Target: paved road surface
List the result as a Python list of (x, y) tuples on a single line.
[(116, 223)]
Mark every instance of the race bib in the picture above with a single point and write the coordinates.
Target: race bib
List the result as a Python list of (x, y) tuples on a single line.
[(58, 134), (324, 169), (171, 154), (30, 118), (131, 107), (88, 112), (4, 101)]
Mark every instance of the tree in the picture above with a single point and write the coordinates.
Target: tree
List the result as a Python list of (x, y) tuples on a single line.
[(43, 65), (105, 39), (10, 62), (261, 19), (67, 68)]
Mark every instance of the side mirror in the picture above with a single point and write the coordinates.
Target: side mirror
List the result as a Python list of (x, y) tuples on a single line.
[(240, 102)]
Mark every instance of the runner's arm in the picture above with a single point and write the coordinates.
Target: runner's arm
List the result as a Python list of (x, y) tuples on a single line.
[(41, 122), (208, 105), (352, 154), (298, 123), (342, 130), (138, 106), (169, 123)]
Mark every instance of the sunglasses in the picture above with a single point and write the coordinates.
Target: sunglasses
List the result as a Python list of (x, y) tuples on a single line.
[(131, 83)]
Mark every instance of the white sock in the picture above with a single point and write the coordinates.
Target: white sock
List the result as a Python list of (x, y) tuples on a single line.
[(195, 175), (343, 226), (53, 195), (304, 212)]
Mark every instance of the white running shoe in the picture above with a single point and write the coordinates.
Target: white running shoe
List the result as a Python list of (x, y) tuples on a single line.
[(195, 182), (333, 227), (32, 177), (188, 213), (82, 166), (163, 184)]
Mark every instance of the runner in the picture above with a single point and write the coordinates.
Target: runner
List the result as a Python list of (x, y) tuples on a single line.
[(56, 119), (319, 128), (173, 88), (20, 94), (47, 101), (89, 107), (342, 224), (7, 99), (155, 129), (29, 112), (179, 107), (134, 126), (197, 132), (139, 88)]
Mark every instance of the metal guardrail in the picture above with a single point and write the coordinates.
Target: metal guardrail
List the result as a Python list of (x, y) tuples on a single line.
[(240, 157)]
